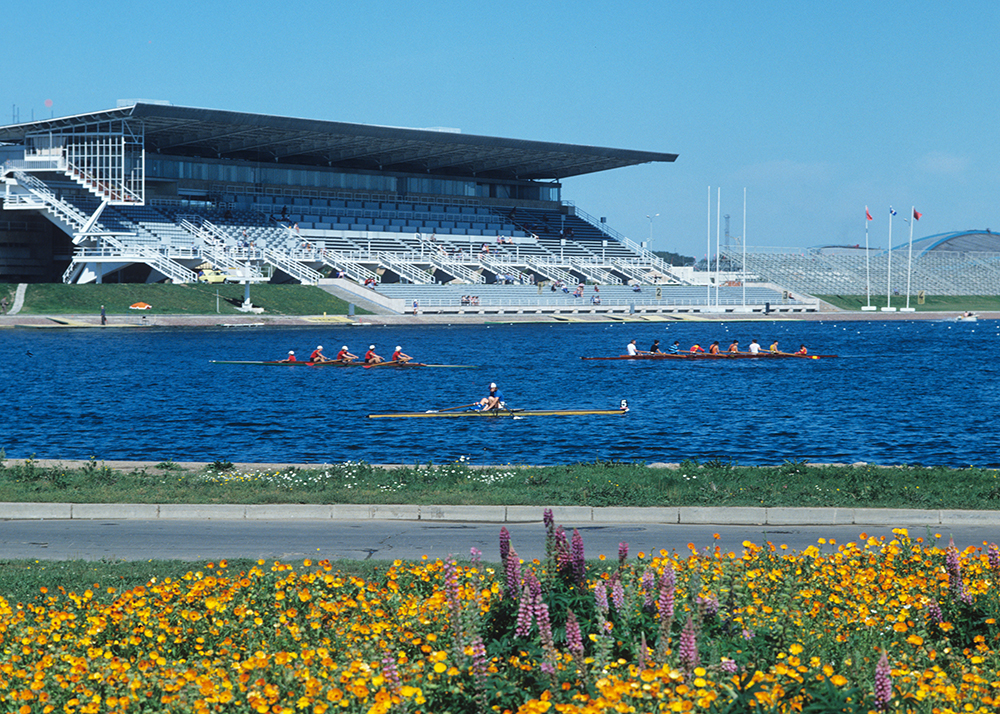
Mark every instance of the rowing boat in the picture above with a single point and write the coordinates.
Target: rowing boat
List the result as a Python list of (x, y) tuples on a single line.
[(335, 363), (721, 355), (499, 413)]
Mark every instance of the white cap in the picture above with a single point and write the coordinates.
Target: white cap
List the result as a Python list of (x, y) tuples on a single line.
[(344, 347), (291, 352), (493, 385), (371, 347), (319, 347), (398, 348)]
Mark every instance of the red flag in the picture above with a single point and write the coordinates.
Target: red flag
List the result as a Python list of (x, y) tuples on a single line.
[(917, 215), (868, 214)]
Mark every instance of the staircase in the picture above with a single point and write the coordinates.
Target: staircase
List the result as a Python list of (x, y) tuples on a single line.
[(551, 271), (499, 267), (303, 273), (44, 198), (596, 273), (405, 270)]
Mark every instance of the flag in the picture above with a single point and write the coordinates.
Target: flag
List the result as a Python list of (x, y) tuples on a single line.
[(868, 215), (917, 215), (891, 212)]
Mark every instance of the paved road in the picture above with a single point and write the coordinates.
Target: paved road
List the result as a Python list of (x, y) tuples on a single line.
[(386, 540)]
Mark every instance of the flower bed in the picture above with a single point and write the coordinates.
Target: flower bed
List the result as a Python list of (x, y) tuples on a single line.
[(873, 625)]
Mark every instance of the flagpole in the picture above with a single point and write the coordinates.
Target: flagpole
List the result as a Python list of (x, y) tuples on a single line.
[(708, 252), (868, 269), (888, 269), (909, 259), (718, 218), (743, 277)]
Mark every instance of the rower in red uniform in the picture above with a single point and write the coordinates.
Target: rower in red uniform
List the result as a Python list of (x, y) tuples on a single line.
[(695, 349), (802, 350), (345, 356), (290, 357), (318, 356), (399, 356), (371, 357)]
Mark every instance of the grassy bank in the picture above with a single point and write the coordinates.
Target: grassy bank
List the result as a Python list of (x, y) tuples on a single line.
[(932, 303), (191, 299), (792, 484)]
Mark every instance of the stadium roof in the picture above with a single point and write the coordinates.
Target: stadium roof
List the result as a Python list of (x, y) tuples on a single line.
[(971, 241), (186, 131)]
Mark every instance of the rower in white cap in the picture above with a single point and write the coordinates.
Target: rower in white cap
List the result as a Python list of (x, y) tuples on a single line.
[(494, 401), (318, 356), (400, 356), (345, 355), (290, 357), (371, 357)]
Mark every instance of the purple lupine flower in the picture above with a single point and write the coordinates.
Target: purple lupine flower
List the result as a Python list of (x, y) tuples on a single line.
[(390, 672), (561, 549), (480, 671), (708, 606), (648, 583), (574, 638), (953, 565), (534, 586), (687, 650), (504, 544), (622, 553), (548, 519), (525, 609), (883, 683), (579, 564), (453, 594), (544, 626), (934, 612), (618, 595), (728, 666), (601, 597), (476, 556), (666, 599), (994, 558), (513, 565), (642, 652)]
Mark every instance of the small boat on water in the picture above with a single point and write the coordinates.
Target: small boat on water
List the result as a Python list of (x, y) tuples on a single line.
[(706, 355), (334, 363), (500, 413), (967, 317)]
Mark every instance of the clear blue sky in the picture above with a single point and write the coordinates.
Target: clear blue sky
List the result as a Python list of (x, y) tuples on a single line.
[(816, 109)]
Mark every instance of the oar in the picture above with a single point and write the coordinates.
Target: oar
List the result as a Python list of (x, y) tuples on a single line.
[(451, 409), (382, 364)]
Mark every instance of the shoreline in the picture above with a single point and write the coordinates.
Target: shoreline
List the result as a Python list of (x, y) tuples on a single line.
[(59, 321)]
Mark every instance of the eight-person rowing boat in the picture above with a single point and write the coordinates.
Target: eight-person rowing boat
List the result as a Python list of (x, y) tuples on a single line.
[(709, 355), (336, 363)]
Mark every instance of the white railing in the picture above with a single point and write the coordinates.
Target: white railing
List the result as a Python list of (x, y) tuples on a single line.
[(550, 270), (595, 272), (303, 273), (399, 264), (69, 213)]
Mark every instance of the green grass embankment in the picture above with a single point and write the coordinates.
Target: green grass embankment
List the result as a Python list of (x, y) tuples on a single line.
[(792, 484), (189, 299), (932, 303)]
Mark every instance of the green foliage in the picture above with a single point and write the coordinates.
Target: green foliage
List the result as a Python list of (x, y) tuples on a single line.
[(602, 483)]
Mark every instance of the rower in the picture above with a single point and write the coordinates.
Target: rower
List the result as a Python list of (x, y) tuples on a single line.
[(318, 356), (734, 348), (695, 349), (631, 349), (754, 347), (371, 357), (674, 348), (713, 349), (494, 401), (398, 355), (345, 355), (290, 357), (802, 350), (774, 348), (654, 348)]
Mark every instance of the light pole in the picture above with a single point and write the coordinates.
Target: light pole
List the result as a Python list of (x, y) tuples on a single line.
[(651, 230)]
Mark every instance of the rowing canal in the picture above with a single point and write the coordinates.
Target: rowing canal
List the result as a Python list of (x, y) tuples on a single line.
[(920, 392)]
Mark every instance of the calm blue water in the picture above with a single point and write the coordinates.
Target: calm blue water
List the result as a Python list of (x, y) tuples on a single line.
[(900, 392)]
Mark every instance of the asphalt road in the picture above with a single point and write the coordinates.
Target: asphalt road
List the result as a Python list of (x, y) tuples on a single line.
[(199, 540)]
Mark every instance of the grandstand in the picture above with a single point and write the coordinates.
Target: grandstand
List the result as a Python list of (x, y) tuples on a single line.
[(153, 192), (955, 263)]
